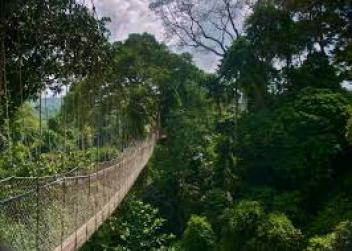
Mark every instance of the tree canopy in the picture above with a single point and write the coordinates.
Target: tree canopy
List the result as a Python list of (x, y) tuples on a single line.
[(47, 43), (255, 156)]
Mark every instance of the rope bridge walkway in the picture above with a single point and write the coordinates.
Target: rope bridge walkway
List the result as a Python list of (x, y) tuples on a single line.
[(62, 213)]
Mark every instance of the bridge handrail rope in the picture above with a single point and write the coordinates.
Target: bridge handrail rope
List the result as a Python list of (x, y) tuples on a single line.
[(78, 171), (61, 212)]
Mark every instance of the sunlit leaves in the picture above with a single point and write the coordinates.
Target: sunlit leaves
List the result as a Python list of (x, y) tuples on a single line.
[(198, 235)]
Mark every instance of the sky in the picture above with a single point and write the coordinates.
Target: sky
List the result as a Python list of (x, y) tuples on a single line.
[(134, 16)]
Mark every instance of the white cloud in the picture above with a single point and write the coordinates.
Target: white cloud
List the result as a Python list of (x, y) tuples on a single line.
[(129, 16), (134, 16)]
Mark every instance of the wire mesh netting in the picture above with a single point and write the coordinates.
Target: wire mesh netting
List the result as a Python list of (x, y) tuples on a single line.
[(62, 212)]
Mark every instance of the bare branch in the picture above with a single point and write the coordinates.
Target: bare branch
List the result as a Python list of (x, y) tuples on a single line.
[(223, 28), (191, 35), (231, 18), (206, 24), (205, 35)]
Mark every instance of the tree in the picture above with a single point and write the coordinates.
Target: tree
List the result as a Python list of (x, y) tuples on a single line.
[(316, 72), (214, 202), (247, 74), (272, 32), (336, 209), (142, 84), (248, 227), (198, 235), (321, 21), (277, 233), (296, 141), (218, 91), (208, 25), (225, 172), (182, 169), (290, 204), (136, 226), (44, 43), (349, 126), (242, 222), (339, 240), (283, 155)]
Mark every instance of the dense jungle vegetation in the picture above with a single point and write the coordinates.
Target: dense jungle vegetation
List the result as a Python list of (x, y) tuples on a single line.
[(255, 157)]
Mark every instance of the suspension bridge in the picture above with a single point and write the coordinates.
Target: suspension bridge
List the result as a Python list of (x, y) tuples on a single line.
[(60, 213)]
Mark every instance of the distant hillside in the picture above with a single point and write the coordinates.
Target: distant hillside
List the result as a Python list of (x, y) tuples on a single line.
[(50, 107)]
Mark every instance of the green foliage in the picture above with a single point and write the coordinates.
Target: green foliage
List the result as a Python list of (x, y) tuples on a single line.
[(214, 202), (145, 82), (182, 168), (271, 129), (277, 233), (272, 32), (10, 234), (339, 240), (226, 163), (343, 236), (320, 243), (296, 141), (349, 126), (290, 204), (264, 194), (315, 72), (242, 222), (335, 210), (248, 227), (198, 235), (72, 42), (136, 226), (280, 137), (245, 217), (33, 151), (247, 73)]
